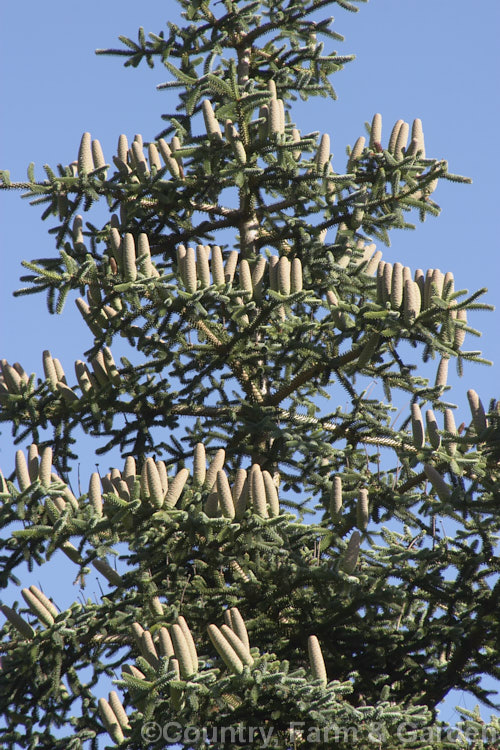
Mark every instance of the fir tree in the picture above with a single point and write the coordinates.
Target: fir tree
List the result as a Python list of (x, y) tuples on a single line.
[(241, 269)]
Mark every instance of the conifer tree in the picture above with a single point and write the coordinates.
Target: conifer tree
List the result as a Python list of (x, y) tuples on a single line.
[(267, 561)]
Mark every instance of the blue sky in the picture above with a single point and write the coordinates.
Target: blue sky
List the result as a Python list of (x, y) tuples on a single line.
[(435, 60)]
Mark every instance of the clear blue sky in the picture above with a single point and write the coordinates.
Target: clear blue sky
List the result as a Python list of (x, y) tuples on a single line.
[(435, 60)]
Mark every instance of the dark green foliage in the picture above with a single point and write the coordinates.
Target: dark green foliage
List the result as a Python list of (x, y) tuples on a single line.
[(236, 346)]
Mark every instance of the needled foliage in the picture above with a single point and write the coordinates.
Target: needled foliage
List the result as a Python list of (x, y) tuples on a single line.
[(271, 547)]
